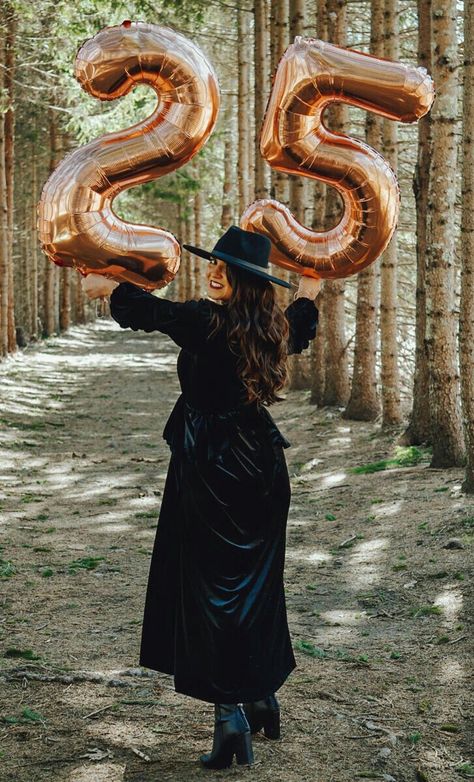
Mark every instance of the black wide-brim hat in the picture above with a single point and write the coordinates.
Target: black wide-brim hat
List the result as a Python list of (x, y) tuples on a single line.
[(246, 249)]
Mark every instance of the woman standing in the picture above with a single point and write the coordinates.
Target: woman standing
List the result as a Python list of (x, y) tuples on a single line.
[(215, 614)]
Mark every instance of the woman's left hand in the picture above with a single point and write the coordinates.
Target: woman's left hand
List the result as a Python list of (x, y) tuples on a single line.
[(96, 286)]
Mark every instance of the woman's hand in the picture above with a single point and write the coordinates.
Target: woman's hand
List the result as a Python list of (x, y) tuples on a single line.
[(308, 287), (96, 286)]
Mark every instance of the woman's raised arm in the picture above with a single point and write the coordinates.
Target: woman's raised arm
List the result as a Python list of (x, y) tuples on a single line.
[(302, 315)]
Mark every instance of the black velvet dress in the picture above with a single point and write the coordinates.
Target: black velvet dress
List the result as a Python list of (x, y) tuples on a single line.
[(215, 614)]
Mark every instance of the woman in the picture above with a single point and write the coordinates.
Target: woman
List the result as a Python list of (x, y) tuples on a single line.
[(215, 614)]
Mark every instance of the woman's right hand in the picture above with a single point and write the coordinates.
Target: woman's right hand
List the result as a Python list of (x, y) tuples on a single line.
[(96, 286), (308, 287)]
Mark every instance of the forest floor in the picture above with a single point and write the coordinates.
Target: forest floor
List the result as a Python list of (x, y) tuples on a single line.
[(376, 579)]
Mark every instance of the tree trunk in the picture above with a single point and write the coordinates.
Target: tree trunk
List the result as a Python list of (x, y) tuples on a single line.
[(297, 183), (262, 69), (364, 404), (65, 308), (446, 431), (227, 210), (280, 40), (3, 214), (199, 264), (390, 380), (418, 430), (467, 244), (336, 388), (243, 161), (50, 270), (9, 84)]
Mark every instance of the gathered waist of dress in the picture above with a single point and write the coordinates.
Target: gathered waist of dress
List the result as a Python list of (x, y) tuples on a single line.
[(212, 432)]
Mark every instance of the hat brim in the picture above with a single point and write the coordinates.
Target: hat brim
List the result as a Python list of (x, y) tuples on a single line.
[(250, 267)]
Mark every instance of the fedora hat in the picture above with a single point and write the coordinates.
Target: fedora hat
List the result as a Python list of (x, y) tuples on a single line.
[(246, 249)]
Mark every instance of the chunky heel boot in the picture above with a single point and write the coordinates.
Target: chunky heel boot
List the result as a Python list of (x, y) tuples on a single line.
[(264, 714), (231, 737)]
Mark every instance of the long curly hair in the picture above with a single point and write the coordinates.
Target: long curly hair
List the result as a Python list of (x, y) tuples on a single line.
[(257, 333)]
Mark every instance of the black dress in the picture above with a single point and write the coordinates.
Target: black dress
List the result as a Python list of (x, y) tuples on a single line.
[(215, 614)]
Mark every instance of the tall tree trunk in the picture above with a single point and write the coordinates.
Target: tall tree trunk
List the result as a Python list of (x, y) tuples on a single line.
[(227, 210), (65, 307), (3, 212), (390, 380), (446, 431), (262, 72), (297, 183), (280, 186), (243, 160), (9, 84), (198, 273), (31, 260), (50, 270), (364, 404), (280, 39), (467, 244), (336, 388), (418, 430), (317, 346)]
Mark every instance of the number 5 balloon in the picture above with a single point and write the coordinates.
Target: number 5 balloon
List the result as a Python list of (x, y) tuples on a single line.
[(77, 225), (310, 75)]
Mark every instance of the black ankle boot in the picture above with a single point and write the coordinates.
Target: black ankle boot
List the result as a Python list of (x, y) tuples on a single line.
[(231, 737), (264, 714)]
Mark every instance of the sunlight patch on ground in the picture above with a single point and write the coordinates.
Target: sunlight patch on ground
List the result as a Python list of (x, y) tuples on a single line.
[(332, 479), (343, 617), (127, 733), (386, 509), (302, 554), (309, 465), (450, 602), (450, 670), (364, 562), (103, 772)]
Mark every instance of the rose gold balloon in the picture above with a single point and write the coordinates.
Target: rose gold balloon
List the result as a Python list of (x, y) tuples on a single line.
[(310, 75), (77, 225)]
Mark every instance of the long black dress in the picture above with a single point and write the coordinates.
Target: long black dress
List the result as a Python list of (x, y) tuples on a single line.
[(215, 613)]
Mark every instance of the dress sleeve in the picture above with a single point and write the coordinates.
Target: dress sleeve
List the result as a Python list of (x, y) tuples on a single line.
[(302, 315), (132, 307)]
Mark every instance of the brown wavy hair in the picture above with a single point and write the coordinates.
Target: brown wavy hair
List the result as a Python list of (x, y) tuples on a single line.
[(257, 332)]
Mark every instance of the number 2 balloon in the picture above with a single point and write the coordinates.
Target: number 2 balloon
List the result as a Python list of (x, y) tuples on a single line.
[(310, 75), (77, 225)]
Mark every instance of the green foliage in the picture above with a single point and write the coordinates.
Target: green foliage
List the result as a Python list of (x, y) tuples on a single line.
[(308, 648), (86, 563), (24, 654), (7, 569), (404, 457)]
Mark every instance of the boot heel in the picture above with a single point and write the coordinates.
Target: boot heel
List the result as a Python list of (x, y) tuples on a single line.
[(243, 749), (271, 726)]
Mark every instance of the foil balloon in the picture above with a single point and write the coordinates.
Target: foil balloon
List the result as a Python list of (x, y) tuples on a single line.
[(76, 222), (294, 140)]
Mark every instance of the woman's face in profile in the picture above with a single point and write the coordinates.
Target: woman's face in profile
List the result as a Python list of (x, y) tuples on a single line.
[(218, 286)]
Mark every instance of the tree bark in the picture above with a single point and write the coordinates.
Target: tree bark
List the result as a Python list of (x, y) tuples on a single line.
[(336, 387), (3, 213), (418, 430), (280, 37), (198, 273), (227, 209), (50, 270), (364, 403), (467, 244), (9, 84), (262, 72), (390, 380), (446, 431), (243, 160)]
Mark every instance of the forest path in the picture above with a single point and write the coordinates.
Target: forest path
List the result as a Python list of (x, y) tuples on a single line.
[(377, 603)]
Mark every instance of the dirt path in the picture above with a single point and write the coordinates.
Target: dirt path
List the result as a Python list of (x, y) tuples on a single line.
[(377, 602)]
